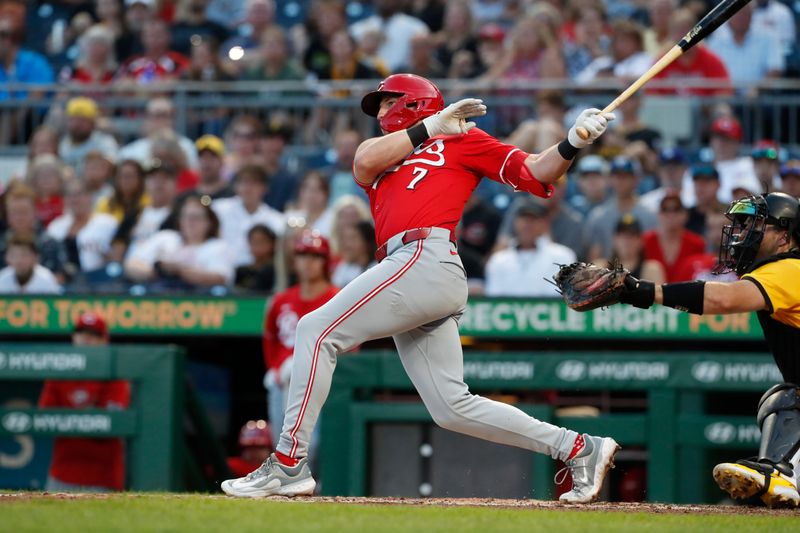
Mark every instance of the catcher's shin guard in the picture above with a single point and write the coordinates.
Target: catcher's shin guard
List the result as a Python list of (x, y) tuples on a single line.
[(779, 420)]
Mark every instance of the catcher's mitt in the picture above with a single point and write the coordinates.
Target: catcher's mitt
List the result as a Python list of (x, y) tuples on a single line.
[(585, 286)]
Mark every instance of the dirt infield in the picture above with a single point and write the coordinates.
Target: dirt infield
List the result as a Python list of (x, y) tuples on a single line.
[(651, 508)]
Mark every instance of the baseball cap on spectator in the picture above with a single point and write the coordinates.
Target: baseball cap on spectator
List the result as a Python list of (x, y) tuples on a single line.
[(255, 433), (765, 149), (672, 156), (592, 164), (492, 31), (623, 165), (82, 107), (92, 323), (312, 242), (727, 127), (791, 169), (531, 208), (148, 3), (628, 223), (212, 143), (705, 172)]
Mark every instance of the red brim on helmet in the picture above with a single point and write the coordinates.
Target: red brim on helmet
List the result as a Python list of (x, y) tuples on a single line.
[(371, 103)]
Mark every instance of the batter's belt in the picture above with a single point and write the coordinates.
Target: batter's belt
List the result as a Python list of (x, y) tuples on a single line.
[(408, 236)]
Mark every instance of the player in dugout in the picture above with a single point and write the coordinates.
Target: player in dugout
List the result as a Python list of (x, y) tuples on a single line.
[(762, 245), (81, 464)]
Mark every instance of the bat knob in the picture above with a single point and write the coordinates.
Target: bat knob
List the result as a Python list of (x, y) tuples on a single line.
[(582, 133)]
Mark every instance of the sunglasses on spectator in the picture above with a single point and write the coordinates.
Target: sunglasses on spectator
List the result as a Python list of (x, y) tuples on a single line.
[(671, 209)]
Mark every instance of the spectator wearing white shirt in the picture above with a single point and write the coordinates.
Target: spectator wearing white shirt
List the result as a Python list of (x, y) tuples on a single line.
[(749, 55), (160, 185), (85, 235), (24, 274), (775, 18), (397, 28), (240, 213), (725, 141), (521, 270), (192, 257), (671, 169)]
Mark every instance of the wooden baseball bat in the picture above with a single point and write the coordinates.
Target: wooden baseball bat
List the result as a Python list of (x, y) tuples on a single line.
[(713, 19)]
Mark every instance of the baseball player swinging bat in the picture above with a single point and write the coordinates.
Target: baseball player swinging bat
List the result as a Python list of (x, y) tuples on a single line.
[(713, 20)]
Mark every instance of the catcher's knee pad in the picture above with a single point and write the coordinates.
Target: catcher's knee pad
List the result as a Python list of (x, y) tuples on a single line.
[(779, 420)]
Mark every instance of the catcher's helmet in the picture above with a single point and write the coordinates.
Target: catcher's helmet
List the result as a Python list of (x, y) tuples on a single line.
[(255, 433), (312, 242), (749, 217), (417, 98)]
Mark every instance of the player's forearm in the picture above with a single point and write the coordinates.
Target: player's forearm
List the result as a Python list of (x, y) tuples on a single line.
[(547, 166), (377, 154), (717, 298)]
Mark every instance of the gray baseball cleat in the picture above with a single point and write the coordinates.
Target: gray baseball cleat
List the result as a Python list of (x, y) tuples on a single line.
[(589, 469), (273, 478)]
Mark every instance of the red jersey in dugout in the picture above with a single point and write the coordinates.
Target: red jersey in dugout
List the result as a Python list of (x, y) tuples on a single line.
[(433, 183), (280, 324), (89, 462)]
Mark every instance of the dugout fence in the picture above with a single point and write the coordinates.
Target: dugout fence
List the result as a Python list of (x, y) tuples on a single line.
[(152, 426)]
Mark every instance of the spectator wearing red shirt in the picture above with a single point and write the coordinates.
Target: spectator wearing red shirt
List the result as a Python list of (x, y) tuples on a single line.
[(701, 266), (255, 442), (697, 63), (671, 242), (78, 464), (314, 289), (157, 62)]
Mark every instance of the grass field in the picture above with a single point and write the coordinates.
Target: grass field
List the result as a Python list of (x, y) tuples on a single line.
[(161, 512)]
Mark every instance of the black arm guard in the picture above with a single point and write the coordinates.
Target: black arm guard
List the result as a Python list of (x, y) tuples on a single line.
[(686, 296)]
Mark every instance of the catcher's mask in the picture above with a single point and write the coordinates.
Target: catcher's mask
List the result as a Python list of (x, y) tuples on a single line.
[(749, 217), (417, 98)]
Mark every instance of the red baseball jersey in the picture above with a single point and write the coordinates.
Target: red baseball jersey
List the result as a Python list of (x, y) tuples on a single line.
[(433, 183), (92, 462), (691, 244), (280, 324)]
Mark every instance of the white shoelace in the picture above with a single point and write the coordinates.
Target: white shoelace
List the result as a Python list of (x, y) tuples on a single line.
[(563, 473)]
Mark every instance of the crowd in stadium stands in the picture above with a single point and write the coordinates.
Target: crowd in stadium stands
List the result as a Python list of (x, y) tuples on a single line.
[(95, 208)]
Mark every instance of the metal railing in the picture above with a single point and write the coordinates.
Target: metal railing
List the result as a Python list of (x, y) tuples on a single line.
[(313, 108)]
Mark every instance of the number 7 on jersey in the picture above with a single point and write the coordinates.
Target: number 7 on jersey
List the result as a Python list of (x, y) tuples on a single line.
[(419, 174)]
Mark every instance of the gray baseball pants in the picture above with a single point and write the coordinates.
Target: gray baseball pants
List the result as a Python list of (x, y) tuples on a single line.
[(414, 295)]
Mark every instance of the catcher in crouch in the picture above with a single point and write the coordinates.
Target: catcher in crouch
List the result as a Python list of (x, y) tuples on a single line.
[(762, 245)]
